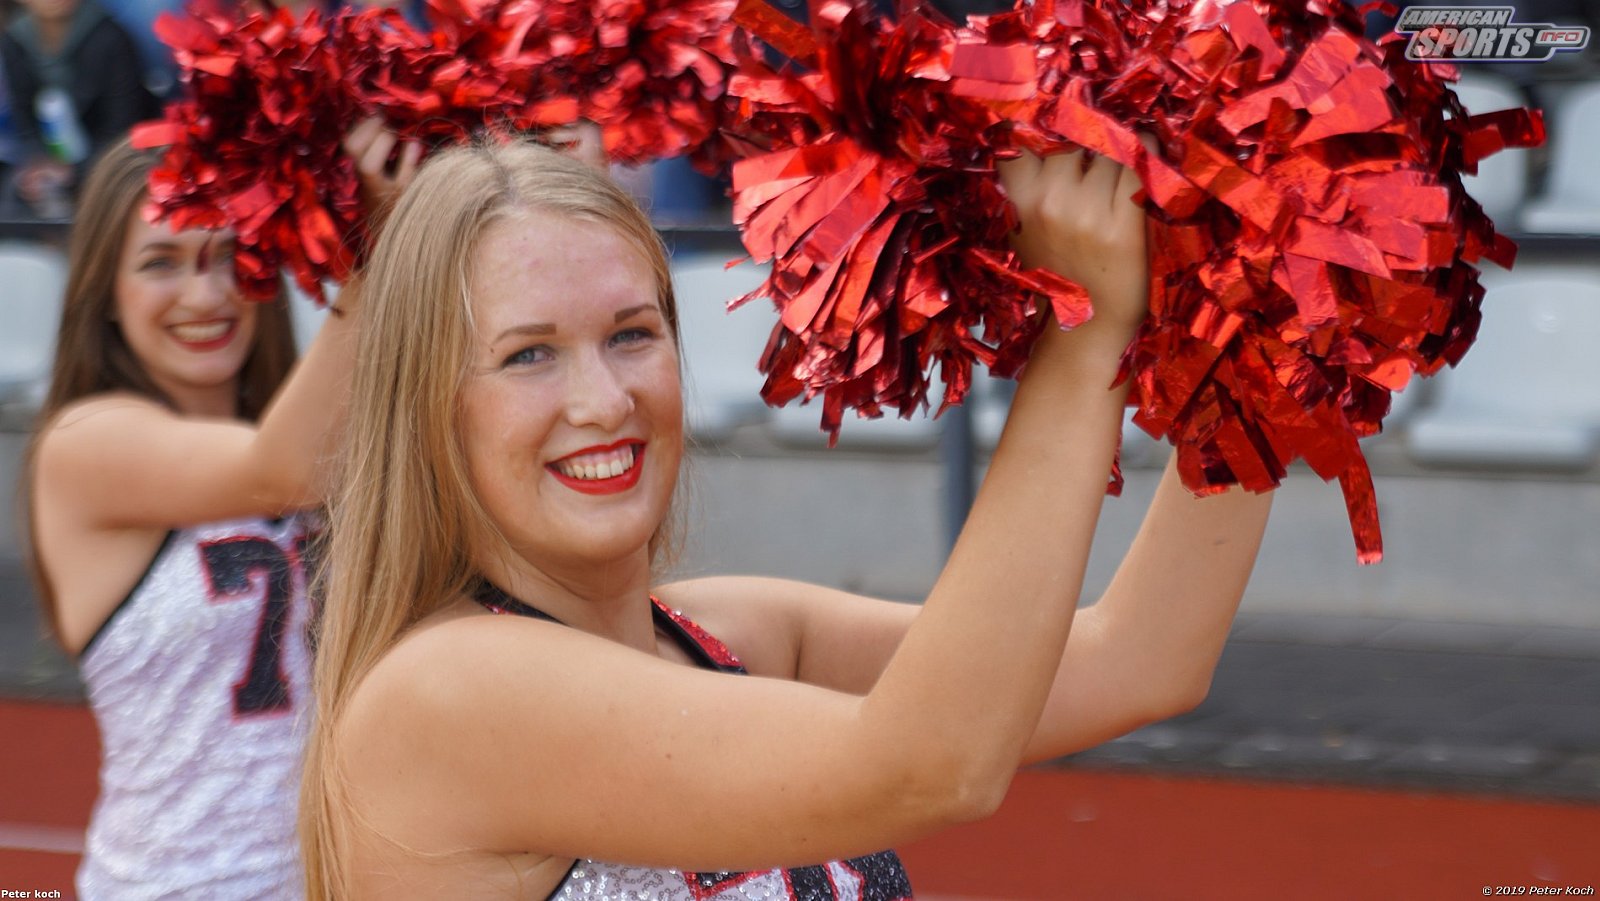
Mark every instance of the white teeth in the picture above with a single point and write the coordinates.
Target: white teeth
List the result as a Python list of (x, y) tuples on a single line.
[(608, 465), (199, 332)]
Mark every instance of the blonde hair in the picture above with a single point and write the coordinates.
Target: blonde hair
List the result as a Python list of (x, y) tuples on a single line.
[(405, 510)]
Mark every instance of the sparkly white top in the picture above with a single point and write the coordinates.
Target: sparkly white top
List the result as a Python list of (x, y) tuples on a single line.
[(200, 682), (876, 877), (879, 877)]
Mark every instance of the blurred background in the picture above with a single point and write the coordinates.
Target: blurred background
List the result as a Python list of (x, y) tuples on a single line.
[(1427, 726)]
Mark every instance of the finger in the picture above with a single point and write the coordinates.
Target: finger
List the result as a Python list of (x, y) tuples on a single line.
[(375, 159), (1100, 181), (358, 138), (1064, 167), (410, 159), (1017, 176), (1129, 183)]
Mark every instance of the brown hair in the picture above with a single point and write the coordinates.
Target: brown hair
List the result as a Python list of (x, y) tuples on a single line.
[(91, 355), (405, 510)]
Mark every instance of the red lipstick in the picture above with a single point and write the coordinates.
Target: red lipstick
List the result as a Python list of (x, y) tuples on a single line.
[(612, 485)]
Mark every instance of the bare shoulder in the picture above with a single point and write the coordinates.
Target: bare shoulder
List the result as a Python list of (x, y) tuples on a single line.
[(428, 706), (88, 420)]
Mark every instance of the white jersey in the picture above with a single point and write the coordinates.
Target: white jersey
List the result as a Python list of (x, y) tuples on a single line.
[(879, 877), (200, 683)]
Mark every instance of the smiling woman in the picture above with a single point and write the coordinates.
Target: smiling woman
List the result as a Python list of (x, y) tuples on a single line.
[(509, 707), (168, 489)]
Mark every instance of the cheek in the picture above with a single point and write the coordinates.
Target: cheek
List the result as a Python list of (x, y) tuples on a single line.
[(249, 321), (502, 431)]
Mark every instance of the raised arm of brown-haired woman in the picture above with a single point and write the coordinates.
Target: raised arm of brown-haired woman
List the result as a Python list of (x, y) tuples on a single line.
[(112, 469)]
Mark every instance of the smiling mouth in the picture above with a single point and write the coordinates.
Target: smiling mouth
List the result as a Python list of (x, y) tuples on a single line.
[(204, 335), (605, 470)]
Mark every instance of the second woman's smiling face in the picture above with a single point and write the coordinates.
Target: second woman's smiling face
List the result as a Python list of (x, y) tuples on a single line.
[(179, 309), (571, 412)]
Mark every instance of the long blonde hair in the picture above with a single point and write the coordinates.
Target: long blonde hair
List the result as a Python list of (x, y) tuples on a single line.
[(405, 508)]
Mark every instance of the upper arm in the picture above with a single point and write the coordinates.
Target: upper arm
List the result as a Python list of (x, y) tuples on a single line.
[(126, 462), (518, 735), (796, 630)]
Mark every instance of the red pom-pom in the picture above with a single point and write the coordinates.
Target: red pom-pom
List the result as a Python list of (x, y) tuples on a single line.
[(652, 73), (1311, 240), (870, 182), (256, 146)]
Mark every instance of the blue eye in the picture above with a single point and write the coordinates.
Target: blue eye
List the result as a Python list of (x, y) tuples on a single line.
[(632, 336), (156, 264), (528, 356)]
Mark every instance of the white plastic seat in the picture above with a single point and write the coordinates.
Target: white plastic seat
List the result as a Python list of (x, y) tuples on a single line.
[(304, 314), (1527, 394), (721, 350), (32, 281), (1501, 185), (1571, 200)]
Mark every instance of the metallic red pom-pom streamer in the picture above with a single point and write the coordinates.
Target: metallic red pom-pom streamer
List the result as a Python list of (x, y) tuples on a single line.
[(256, 145), (1311, 240), (652, 73), (870, 182)]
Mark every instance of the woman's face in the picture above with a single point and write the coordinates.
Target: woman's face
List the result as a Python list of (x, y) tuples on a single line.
[(571, 412), (180, 311)]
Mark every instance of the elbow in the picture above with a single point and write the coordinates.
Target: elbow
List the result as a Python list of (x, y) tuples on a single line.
[(1179, 695), (956, 789), (980, 798), (282, 490)]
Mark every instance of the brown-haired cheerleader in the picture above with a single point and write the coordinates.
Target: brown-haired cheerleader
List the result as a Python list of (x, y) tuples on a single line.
[(168, 483)]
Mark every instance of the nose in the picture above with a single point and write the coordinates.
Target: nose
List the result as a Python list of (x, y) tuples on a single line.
[(209, 288), (598, 394)]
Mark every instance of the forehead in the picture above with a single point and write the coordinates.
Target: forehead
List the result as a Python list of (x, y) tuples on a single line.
[(142, 233), (541, 265)]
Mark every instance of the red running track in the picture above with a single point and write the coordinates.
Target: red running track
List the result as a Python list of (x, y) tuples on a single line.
[(1061, 834)]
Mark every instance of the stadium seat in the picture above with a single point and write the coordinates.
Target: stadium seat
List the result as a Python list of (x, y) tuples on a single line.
[(721, 350), (1571, 200), (1527, 394), (1501, 184), (34, 277)]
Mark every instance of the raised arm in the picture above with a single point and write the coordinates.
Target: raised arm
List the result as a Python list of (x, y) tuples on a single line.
[(122, 461), (1146, 650)]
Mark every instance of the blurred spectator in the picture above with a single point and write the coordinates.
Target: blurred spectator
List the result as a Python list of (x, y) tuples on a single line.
[(8, 132), (139, 18), (76, 86)]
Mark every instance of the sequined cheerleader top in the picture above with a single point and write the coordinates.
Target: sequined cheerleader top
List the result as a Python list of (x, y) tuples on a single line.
[(875, 877)]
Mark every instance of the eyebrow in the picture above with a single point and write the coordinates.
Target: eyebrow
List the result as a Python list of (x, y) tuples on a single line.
[(545, 328), (164, 246)]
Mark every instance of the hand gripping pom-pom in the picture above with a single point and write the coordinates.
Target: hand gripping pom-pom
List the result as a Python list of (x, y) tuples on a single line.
[(869, 180)]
